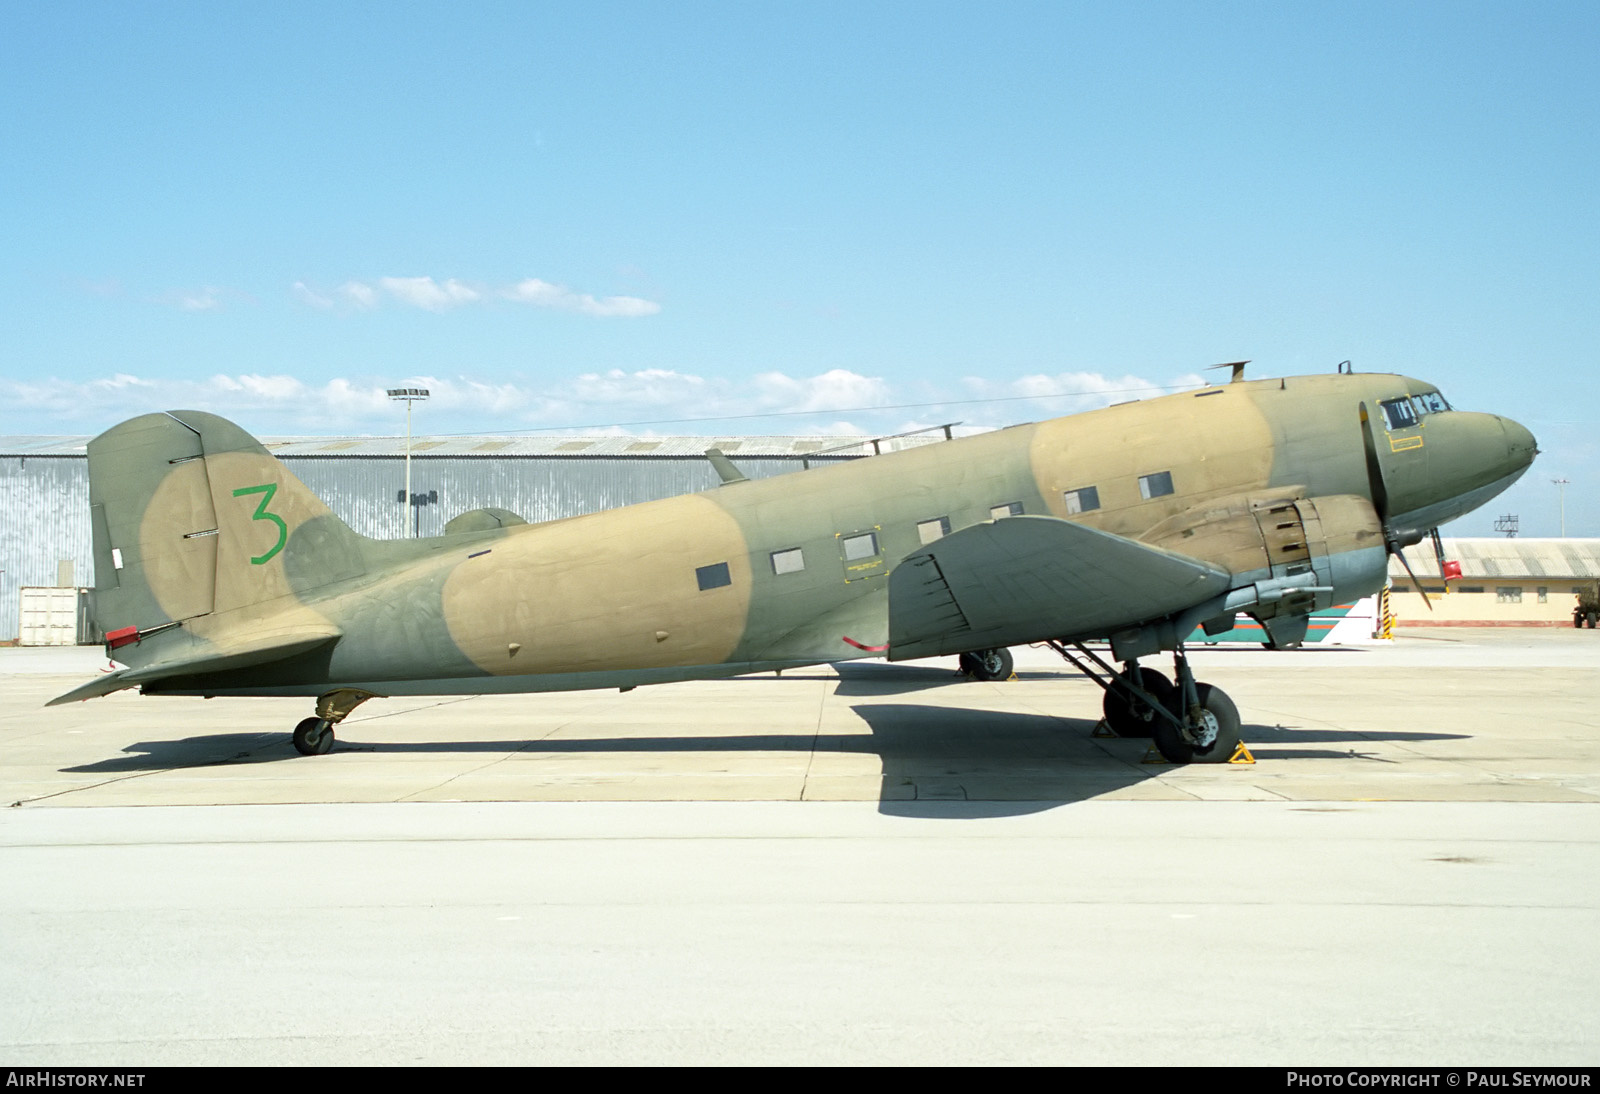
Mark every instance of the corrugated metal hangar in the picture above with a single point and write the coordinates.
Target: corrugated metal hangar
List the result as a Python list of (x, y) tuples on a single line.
[(1526, 582), (44, 484), (45, 540)]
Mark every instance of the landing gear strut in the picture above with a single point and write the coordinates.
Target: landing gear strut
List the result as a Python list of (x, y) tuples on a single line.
[(1188, 722), (314, 736)]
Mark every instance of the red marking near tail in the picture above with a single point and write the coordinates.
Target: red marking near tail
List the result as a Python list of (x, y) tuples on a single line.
[(859, 646), (121, 637)]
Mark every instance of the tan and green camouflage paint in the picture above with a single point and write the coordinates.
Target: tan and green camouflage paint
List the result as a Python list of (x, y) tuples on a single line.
[(611, 599)]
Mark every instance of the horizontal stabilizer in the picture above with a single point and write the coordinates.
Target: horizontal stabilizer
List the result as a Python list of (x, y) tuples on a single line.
[(1026, 579), (238, 655)]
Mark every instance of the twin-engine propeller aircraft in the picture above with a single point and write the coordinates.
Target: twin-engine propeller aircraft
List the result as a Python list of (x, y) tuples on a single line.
[(217, 572)]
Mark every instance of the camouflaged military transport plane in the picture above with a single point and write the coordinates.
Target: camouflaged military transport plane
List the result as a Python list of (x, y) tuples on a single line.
[(217, 572)]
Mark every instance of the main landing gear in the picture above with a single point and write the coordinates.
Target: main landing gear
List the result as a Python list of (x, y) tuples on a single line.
[(986, 664), (314, 736), (1188, 722)]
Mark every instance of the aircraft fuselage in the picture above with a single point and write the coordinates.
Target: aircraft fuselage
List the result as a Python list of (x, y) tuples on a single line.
[(794, 569)]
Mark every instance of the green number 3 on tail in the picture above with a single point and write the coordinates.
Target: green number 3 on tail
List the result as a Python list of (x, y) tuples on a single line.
[(266, 489)]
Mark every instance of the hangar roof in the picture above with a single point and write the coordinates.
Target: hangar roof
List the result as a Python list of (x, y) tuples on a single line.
[(556, 447), (1520, 559)]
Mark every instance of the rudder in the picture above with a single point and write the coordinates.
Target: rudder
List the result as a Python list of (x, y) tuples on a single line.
[(191, 517)]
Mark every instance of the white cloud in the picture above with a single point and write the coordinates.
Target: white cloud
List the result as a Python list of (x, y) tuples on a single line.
[(359, 295), (424, 292), (351, 296), (437, 296), (543, 294), (309, 296), (836, 389), (658, 401), (1070, 392), (209, 298)]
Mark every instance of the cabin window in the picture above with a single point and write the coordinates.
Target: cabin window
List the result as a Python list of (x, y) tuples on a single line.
[(1082, 500), (791, 561), (713, 577), (1158, 485), (1508, 594), (863, 546), (1009, 509), (1399, 413), (930, 530)]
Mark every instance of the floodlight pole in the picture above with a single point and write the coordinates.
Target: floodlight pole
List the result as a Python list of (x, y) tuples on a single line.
[(409, 395), (1561, 484)]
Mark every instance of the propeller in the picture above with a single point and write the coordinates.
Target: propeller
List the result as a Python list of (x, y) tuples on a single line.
[(1380, 503)]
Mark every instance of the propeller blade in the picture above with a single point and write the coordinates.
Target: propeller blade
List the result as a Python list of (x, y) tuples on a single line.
[(1375, 483)]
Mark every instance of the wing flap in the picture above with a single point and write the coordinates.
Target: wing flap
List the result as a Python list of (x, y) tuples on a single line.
[(1025, 579)]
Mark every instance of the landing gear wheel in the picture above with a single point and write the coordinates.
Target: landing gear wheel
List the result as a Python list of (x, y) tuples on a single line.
[(1130, 716), (313, 737), (1215, 701), (1220, 723), (987, 664)]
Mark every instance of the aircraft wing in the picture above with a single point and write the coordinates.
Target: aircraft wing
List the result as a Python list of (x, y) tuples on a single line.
[(1025, 579)]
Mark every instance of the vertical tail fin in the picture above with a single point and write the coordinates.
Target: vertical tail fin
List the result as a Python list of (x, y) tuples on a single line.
[(193, 517)]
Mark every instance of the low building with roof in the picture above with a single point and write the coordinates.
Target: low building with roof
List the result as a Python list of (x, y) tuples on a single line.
[(1526, 582)]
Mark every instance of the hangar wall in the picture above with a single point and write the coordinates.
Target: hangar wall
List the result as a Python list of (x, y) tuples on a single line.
[(44, 486)]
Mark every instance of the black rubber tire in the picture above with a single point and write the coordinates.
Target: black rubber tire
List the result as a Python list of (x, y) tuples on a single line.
[(987, 664), (1179, 751), (1128, 715), (1217, 702), (313, 737)]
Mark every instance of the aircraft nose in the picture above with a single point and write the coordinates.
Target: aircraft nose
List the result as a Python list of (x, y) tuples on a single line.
[(1520, 443)]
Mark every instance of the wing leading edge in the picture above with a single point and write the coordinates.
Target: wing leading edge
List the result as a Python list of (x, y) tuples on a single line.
[(1025, 579)]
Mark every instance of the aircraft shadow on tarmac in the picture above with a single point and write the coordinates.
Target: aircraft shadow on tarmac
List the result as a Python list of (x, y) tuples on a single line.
[(877, 678), (937, 760)]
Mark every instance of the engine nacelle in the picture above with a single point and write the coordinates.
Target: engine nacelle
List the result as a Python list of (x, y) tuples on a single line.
[(1301, 554)]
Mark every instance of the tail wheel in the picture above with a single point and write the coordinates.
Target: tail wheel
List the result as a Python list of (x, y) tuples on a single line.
[(1130, 716), (313, 737), (1219, 728)]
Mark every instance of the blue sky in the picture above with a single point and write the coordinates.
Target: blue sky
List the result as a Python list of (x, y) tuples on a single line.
[(578, 215)]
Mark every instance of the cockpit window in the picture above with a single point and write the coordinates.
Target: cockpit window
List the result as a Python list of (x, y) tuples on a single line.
[(1430, 402), (1399, 413)]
